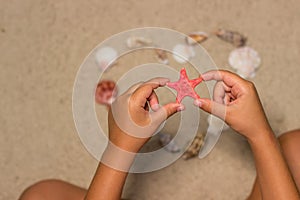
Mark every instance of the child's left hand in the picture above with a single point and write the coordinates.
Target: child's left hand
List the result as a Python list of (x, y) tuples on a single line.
[(131, 124)]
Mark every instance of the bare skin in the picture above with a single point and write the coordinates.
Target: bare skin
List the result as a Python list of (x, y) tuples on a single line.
[(60, 190), (53, 189), (235, 101), (289, 143)]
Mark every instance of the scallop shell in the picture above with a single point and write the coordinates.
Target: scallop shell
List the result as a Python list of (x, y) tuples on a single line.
[(232, 37), (135, 42), (196, 37), (167, 142), (162, 56), (195, 147), (183, 53), (245, 61), (106, 92), (105, 56)]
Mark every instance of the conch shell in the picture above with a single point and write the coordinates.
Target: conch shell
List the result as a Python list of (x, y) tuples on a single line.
[(235, 38), (195, 147)]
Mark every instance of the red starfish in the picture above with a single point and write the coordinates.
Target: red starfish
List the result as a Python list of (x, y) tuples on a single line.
[(184, 86)]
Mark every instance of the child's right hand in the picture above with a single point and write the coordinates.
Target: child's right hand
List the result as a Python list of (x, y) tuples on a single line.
[(236, 101)]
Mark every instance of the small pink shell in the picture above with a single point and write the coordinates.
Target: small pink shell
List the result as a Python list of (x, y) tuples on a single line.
[(106, 92)]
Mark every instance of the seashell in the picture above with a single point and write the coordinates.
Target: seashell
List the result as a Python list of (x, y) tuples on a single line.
[(167, 142), (196, 37), (195, 147), (235, 38), (245, 61), (105, 57), (106, 92), (135, 42), (162, 56), (183, 53)]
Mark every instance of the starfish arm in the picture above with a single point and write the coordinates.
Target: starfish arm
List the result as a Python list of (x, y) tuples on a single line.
[(179, 99), (195, 82), (183, 73), (196, 96)]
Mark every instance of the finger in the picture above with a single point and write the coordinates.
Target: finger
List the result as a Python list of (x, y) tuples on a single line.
[(134, 87), (227, 77), (143, 92), (166, 111), (212, 107), (219, 92), (153, 101), (227, 99)]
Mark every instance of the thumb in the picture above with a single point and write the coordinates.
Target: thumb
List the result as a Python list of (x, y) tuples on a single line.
[(212, 107), (166, 111)]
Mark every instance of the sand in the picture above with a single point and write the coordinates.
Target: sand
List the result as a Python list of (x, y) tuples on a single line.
[(43, 43)]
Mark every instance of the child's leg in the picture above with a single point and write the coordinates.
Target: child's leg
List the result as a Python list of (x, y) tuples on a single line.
[(289, 143), (53, 189)]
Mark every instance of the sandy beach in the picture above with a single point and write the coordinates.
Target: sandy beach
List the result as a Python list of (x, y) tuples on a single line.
[(43, 44)]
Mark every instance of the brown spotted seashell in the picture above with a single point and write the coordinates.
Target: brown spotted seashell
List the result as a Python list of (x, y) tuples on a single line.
[(235, 38), (162, 56), (195, 147)]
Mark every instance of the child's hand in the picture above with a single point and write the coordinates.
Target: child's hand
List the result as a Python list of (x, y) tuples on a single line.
[(236, 101), (130, 122)]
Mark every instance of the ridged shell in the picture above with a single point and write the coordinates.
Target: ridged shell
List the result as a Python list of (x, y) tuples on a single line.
[(183, 53), (106, 92), (245, 61), (105, 56)]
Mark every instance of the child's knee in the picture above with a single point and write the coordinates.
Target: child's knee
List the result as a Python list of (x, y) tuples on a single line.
[(36, 191), (290, 138), (289, 143)]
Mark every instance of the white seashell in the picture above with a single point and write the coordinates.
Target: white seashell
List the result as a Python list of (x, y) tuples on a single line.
[(168, 143), (183, 53), (245, 61), (135, 42), (162, 56), (105, 56), (196, 37)]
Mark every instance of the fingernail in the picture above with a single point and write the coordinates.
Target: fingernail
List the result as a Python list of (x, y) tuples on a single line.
[(164, 82), (180, 108), (155, 107), (198, 103)]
